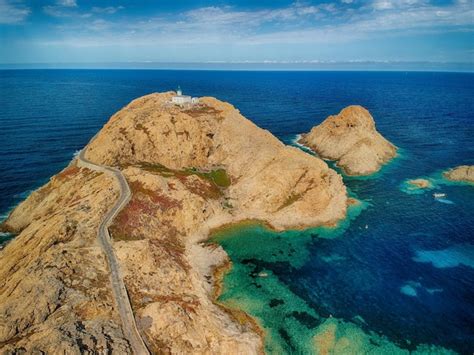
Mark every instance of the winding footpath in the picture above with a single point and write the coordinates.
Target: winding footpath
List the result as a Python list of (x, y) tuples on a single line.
[(122, 299)]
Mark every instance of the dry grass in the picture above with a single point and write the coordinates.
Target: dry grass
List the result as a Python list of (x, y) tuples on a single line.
[(68, 173), (144, 205)]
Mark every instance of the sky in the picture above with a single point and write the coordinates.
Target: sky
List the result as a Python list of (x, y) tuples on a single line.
[(243, 31)]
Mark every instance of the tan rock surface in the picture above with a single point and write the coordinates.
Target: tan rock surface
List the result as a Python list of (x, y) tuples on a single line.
[(352, 139), (463, 173), (241, 172), (54, 284), (420, 183)]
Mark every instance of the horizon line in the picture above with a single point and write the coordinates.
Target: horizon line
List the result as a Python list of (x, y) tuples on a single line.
[(411, 66)]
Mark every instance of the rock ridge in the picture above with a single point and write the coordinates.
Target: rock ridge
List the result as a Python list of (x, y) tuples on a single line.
[(190, 169)]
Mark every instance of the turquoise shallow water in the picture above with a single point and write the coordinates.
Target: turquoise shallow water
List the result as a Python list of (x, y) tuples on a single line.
[(398, 274), (395, 277)]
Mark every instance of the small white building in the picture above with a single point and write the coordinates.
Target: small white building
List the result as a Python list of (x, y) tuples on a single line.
[(181, 99)]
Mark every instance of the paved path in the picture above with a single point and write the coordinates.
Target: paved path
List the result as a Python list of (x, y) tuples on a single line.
[(120, 292)]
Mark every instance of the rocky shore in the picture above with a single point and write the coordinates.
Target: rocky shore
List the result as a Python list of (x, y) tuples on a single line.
[(463, 173), (351, 139), (190, 169)]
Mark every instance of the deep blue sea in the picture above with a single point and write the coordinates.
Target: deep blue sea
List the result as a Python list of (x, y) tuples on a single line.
[(404, 268)]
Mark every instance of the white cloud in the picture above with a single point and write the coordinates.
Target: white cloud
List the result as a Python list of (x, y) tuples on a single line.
[(298, 12), (62, 8), (298, 23), (67, 3), (383, 4), (69, 8), (13, 12), (107, 10), (393, 4)]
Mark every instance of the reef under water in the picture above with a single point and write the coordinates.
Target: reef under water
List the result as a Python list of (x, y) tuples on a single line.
[(396, 276)]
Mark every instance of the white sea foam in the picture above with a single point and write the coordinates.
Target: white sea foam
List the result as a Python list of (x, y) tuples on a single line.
[(295, 142), (443, 200)]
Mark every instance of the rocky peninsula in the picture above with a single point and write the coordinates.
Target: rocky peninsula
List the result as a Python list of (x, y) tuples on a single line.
[(462, 173), (190, 169), (352, 140)]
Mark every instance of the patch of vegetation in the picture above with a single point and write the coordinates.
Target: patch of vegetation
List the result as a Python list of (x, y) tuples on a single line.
[(159, 169), (217, 179), (174, 250), (144, 204), (118, 236), (227, 205), (69, 172), (201, 187)]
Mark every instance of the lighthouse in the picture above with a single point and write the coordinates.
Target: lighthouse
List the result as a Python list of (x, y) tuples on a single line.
[(180, 99)]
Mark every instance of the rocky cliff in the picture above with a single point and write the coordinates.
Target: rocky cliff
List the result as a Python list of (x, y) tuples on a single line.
[(190, 169), (54, 286), (464, 173), (352, 140)]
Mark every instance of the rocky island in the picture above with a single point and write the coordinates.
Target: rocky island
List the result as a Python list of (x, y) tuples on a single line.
[(420, 183), (188, 169), (462, 173), (352, 140)]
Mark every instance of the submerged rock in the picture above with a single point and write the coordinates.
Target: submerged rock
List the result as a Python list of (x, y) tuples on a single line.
[(190, 169), (352, 140), (464, 173), (335, 336)]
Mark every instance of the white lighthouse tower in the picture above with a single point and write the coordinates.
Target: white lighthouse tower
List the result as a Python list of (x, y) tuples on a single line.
[(181, 99)]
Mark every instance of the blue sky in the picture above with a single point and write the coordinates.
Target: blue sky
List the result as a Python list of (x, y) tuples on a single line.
[(277, 31)]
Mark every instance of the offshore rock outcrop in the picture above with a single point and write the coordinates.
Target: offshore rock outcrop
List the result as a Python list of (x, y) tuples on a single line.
[(190, 169), (352, 140), (463, 173), (420, 183)]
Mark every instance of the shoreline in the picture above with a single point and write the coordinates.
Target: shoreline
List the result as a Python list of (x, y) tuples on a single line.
[(237, 315), (343, 171), (220, 222), (220, 270)]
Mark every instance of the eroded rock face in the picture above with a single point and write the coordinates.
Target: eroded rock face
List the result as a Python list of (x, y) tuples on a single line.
[(352, 139), (54, 284), (190, 169), (270, 181), (463, 173)]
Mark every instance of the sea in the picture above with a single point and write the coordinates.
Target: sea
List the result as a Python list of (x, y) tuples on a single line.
[(396, 276)]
